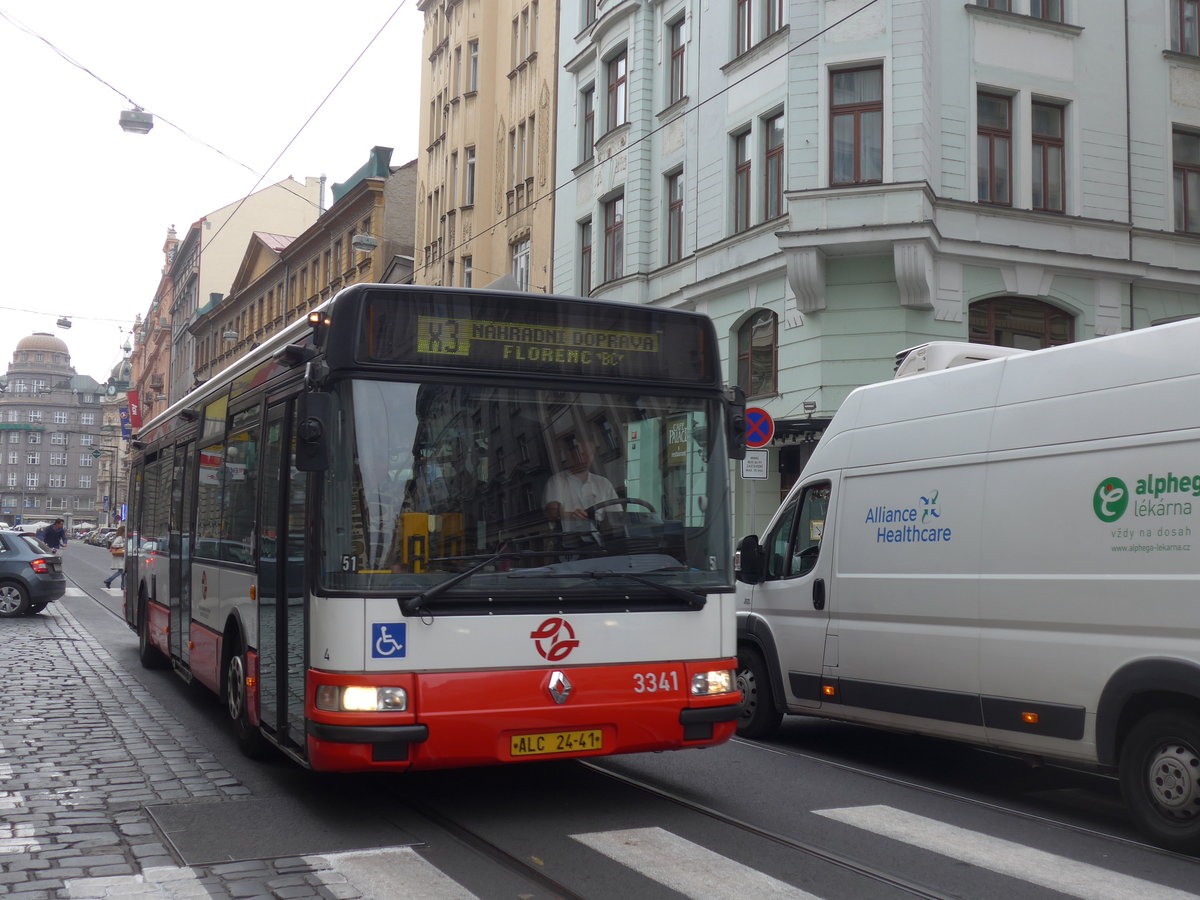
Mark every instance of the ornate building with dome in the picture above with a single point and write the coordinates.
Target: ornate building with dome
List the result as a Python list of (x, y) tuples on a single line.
[(52, 452)]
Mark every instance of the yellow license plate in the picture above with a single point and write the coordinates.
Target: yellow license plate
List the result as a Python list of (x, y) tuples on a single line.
[(556, 742)]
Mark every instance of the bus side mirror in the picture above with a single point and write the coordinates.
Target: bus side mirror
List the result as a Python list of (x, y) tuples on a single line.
[(748, 560), (312, 431), (735, 422)]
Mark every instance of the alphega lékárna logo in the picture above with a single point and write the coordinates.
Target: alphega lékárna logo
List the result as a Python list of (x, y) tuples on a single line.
[(1110, 499)]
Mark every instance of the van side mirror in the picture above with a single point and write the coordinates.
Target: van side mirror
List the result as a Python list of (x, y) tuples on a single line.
[(748, 560), (312, 431)]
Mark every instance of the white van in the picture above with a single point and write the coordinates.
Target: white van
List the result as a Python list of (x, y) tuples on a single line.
[(1007, 553)]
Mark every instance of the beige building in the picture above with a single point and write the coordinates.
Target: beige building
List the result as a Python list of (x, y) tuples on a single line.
[(365, 236), (485, 201), (205, 260)]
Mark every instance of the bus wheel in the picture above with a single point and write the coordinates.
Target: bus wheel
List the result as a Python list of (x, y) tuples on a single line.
[(14, 600), (149, 655), (249, 738), (1160, 778), (760, 718)]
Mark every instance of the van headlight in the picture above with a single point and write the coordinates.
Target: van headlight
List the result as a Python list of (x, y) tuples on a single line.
[(719, 681), (364, 698)]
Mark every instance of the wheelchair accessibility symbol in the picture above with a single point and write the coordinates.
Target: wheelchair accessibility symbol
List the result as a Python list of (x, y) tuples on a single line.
[(387, 640)]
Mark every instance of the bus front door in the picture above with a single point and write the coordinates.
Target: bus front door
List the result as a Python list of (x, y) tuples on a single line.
[(180, 544), (281, 605)]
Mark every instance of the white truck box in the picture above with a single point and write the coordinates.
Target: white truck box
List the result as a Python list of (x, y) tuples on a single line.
[(1006, 553)]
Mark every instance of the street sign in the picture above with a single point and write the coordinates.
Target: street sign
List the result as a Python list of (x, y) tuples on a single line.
[(760, 428), (754, 466), (95, 454)]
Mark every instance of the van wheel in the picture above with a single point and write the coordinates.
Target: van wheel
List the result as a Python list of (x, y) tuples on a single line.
[(237, 703), (759, 718), (1160, 778), (149, 655)]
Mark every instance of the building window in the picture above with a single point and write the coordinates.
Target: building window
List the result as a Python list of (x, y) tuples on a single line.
[(1019, 323), (1049, 158), (1185, 26), (468, 273), (618, 82), (614, 238), (31, 479), (856, 124), (469, 175), (773, 168), (744, 14), (58, 459), (675, 217), (1005, 5), (56, 480), (86, 440), (1186, 164), (588, 15), (994, 146), (741, 182), (585, 257), (520, 263), (588, 103), (60, 418), (35, 415), (757, 347), (85, 481), (774, 14), (1050, 10), (472, 66), (85, 460), (35, 437), (675, 88), (33, 458), (58, 438)]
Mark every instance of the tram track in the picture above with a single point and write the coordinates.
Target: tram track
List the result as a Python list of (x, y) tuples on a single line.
[(840, 860), (968, 800)]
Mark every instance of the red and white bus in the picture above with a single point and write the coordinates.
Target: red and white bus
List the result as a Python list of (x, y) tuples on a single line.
[(434, 527)]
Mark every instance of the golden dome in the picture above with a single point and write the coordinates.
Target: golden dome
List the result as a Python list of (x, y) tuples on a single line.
[(44, 342)]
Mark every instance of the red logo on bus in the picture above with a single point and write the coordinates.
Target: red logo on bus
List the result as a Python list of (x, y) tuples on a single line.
[(554, 639)]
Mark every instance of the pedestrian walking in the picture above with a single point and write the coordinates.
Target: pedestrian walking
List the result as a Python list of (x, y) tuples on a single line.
[(56, 536), (116, 551)]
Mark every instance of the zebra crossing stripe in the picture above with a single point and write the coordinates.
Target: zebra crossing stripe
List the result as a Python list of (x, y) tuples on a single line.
[(1058, 873), (687, 868), (377, 873)]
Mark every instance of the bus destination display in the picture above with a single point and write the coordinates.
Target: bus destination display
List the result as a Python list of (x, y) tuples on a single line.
[(514, 344), (536, 335)]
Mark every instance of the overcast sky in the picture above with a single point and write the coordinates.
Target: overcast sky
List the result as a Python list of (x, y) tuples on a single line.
[(85, 206)]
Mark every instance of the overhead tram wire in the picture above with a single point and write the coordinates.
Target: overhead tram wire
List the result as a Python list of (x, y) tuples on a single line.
[(570, 181), (312, 115), (158, 116)]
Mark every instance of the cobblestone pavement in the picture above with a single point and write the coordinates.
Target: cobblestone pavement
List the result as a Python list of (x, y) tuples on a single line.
[(83, 750)]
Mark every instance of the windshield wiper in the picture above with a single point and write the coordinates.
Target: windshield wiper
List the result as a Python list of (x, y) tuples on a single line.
[(692, 599), (415, 605)]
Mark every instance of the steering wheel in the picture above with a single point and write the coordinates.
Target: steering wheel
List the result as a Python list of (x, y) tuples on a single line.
[(619, 501)]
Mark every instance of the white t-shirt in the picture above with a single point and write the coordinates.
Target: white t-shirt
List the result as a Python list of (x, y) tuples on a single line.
[(572, 492)]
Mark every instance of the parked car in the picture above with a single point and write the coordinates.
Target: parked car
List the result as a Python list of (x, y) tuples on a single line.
[(31, 575)]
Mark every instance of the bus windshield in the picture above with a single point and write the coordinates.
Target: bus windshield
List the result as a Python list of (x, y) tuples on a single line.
[(515, 492)]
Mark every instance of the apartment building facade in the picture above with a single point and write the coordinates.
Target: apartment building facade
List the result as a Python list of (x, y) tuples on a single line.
[(366, 235), (486, 170), (834, 182)]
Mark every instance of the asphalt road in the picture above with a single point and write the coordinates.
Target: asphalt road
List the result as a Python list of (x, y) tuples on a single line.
[(826, 810)]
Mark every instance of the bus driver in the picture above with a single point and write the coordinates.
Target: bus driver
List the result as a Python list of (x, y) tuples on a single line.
[(569, 493)]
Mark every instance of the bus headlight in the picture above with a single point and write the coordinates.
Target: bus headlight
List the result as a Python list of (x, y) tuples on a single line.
[(352, 698), (720, 681)]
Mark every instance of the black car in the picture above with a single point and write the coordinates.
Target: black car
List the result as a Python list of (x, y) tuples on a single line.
[(31, 575)]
